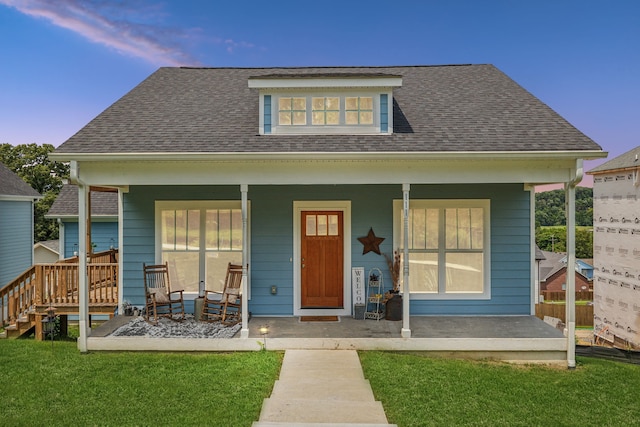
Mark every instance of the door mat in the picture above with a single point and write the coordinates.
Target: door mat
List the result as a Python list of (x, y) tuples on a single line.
[(319, 318)]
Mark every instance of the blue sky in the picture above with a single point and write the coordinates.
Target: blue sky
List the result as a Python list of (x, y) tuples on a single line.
[(63, 62)]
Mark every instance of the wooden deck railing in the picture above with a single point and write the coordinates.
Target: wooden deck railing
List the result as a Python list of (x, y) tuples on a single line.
[(57, 285)]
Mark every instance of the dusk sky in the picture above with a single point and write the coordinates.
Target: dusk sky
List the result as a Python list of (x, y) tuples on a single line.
[(63, 62)]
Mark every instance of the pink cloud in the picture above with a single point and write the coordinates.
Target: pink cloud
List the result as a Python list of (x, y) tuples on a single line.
[(96, 21)]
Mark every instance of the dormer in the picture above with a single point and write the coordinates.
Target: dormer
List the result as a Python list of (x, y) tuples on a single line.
[(326, 104)]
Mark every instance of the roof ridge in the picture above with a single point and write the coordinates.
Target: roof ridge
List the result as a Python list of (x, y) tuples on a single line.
[(325, 66)]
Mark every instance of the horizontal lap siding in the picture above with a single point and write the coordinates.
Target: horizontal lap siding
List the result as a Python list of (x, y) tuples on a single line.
[(16, 239), (101, 235), (271, 249), (272, 236), (510, 251), (139, 229)]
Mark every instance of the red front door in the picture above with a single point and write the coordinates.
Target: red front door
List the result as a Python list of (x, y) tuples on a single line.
[(322, 259)]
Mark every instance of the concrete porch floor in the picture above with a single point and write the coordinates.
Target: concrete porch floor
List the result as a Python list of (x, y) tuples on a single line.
[(514, 338)]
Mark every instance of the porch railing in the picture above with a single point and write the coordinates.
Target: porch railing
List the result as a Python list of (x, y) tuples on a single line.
[(56, 284)]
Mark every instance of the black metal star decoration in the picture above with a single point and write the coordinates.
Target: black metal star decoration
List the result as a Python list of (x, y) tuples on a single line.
[(371, 242)]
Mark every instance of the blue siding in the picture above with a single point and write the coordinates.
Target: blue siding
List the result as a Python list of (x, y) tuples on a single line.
[(16, 239), (371, 206), (139, 229), (101, 235), (267, 114), (384, 113)]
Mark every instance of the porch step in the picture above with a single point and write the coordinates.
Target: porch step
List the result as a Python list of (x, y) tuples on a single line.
[(322, 411), (22, 326), (284, 424), (345, 389), (321, 387)]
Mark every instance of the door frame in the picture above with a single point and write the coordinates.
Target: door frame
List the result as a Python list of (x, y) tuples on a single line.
[(343, 206)]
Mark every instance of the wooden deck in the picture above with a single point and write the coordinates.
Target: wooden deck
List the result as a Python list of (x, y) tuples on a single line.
[(43, 287)]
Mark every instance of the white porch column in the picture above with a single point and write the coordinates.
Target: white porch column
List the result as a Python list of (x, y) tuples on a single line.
[(83, 300), (570, 200), (244, 332), (406, 330), (120, 251)]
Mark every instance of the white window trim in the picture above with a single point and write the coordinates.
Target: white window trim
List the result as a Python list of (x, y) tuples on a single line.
[(340, 205), (485, 204), (198, 204)]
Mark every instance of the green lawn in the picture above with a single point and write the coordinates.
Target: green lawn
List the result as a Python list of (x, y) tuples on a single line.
[(41, 385), (58, 386), (421, 391)]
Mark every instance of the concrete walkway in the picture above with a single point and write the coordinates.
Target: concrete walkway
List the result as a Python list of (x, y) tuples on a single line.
[(321, 388)]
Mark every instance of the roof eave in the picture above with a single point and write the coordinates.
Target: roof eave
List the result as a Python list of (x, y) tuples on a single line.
[(418, 155)]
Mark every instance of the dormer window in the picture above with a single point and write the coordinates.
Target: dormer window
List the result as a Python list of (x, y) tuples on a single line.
[(327, 104), (325, 110), (292, 111), (359, 110)]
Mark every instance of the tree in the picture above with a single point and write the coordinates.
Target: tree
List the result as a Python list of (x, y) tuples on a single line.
[(31, 163), (550, 207), (554, 239)]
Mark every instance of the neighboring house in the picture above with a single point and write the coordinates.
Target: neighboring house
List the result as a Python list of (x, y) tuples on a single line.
[(16, 225), (553, 273), (284, 169), (616, 249), (104, 220), (46, 252)]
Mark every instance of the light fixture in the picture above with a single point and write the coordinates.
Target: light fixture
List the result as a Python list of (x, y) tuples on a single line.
[(264, 331)]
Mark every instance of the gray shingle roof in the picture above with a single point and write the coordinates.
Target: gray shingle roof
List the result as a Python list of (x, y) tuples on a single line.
[(437, 109), (630, 159), (12, 185), (66, 204)]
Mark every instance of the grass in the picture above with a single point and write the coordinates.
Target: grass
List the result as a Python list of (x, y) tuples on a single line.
[(41, 384), (419, 391)]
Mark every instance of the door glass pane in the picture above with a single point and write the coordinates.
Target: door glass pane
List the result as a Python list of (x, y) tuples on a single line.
[(322, 225), (464, 272), (311, 225), (333, 225)]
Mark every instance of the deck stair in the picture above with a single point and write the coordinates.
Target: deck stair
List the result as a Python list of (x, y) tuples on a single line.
[(43, 287)]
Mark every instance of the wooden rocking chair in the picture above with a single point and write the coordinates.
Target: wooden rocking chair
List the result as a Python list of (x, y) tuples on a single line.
[(225, 306), (161, 301)]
